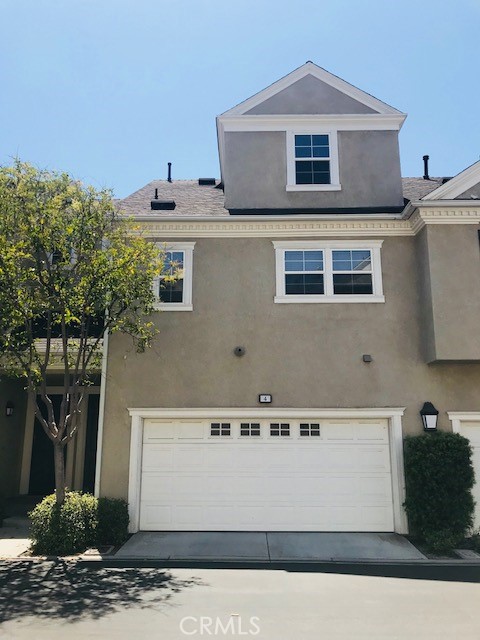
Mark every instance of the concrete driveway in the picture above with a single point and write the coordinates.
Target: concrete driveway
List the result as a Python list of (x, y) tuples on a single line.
[(268, 547)]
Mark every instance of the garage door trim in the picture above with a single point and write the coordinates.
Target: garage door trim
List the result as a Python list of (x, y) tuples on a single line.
[(464, 419), (394, 416)]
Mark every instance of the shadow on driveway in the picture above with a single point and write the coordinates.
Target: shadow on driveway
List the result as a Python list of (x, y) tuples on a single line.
[(58, 589)]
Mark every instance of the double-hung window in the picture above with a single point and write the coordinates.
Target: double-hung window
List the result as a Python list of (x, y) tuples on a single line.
[(173, 288), (312, 161), (328, 271)]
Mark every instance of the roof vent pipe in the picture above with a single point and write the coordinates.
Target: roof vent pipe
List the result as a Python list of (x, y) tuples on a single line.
[(425, 167), (156, 194), (169, 172)]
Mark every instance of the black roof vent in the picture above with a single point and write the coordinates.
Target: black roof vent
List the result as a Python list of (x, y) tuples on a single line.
[(207, 182), (444, 180), (426, 175), (162, 205)]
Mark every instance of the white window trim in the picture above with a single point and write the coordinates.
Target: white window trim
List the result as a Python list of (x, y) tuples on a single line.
[(187, 303), (327, 246), (334, 170)]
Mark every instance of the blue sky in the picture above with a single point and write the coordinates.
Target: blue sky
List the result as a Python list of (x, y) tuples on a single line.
[(111, 90)]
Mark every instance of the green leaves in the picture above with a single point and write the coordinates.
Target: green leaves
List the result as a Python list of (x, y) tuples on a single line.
[(439, 478), (66, 259)]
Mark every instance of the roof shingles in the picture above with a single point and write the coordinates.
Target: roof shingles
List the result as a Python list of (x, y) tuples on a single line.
[(192, 199)]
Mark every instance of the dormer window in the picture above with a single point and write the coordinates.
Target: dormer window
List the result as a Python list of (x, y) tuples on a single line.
[(312, 161)]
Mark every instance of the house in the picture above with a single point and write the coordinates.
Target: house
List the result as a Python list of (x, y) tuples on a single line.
[(323, 301)]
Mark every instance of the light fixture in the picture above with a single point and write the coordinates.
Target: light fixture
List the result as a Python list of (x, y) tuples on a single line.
[(429, 416), (9, 407)]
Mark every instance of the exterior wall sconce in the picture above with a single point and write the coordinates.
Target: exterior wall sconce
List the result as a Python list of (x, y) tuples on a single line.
[(9, 407), (429, 417)]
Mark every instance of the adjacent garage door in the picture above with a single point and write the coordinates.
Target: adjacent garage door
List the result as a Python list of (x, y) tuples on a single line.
[(221, 475), (471, 430)]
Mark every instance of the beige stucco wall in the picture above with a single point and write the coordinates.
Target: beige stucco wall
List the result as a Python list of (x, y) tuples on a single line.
[(306, 355), (449, 270), (11, 435)]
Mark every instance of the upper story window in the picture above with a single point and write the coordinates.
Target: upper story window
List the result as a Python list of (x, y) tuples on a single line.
[(312, 161), (328, 271), (173, 288)]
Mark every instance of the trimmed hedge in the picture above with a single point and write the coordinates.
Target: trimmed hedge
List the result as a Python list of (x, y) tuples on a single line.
[(82, 521), (112, 527), (66, 529), (439, 477)]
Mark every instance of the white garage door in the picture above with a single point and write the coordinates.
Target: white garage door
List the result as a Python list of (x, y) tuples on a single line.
[(266, 475), (471, 430)]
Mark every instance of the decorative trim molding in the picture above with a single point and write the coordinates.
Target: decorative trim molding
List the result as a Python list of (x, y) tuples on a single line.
[(284, 227), (424, 216), (341, 122), (340, 244), (303, 225), (267, 412)]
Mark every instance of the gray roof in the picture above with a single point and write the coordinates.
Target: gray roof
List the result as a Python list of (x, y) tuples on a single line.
[(416, 188), (191, 199)]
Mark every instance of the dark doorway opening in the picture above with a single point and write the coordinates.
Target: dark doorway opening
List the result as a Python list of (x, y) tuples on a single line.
[(42, 473)]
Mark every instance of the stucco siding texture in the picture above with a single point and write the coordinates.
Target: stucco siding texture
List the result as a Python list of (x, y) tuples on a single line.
[(11, 436), (309, 95), (305, 355), (256, 172), (453, 272)]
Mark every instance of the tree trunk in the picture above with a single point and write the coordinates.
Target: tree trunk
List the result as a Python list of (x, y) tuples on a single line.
[(59, 472)]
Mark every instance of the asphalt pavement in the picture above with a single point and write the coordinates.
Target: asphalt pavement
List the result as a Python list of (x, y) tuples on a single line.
[(58, 599)]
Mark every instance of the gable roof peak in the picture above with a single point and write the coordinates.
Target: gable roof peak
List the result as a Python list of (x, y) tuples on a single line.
[(310, 68)]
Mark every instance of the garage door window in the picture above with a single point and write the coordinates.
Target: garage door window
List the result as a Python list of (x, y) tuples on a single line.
[(220, 429), (279, 429), (250, 429), (309, 429)]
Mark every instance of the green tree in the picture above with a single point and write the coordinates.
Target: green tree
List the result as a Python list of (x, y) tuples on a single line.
[(71, 268)]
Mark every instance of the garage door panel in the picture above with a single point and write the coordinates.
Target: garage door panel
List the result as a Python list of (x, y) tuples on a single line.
[(189, 457), (158, 457), (157, 486), (154, 432), (219, 456), (376, 488), (373, 459), (248, 457), (374, 517), (339, 481), (471, 429)]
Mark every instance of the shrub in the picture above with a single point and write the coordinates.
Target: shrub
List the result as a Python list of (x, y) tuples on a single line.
[(81, 522), (66, 529), (439, 478), (113, 521)]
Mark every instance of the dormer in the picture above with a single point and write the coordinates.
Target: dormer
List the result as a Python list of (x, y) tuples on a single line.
[(311, 142)]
